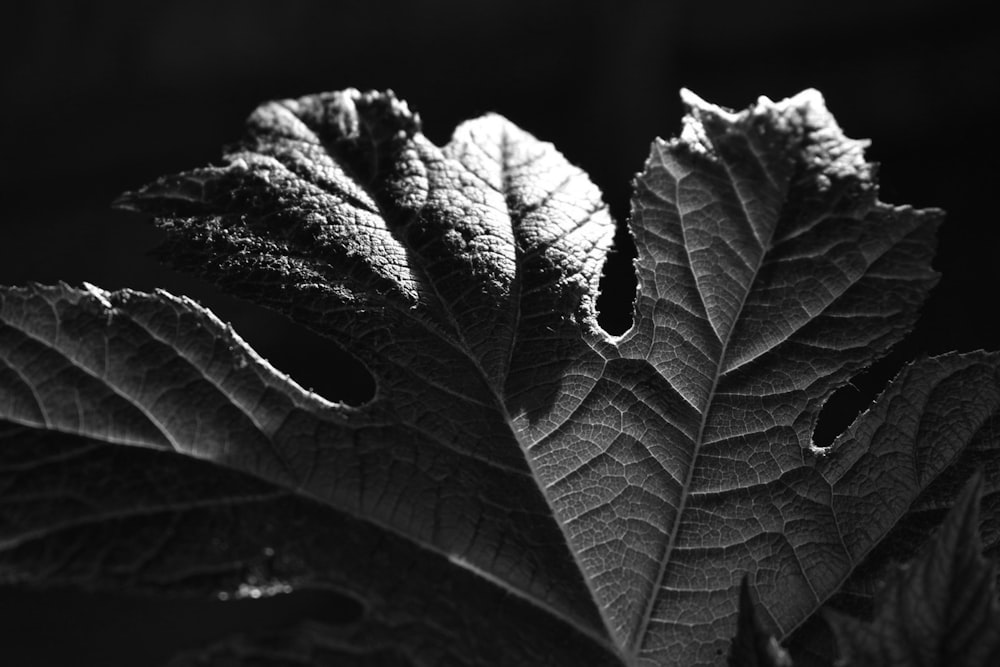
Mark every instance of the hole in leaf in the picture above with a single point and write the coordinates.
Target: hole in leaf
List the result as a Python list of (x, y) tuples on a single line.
[(838, 413), (618, 285), (846, 403), (313, 361)]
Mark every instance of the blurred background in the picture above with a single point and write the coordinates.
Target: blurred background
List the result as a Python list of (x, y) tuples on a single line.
[(103, 97)]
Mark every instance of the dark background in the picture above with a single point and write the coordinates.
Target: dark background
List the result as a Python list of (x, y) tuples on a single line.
[(102, 97)]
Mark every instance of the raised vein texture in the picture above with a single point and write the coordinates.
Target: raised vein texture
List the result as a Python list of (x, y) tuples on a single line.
[(765, 273), (622, 486), (437, 267)]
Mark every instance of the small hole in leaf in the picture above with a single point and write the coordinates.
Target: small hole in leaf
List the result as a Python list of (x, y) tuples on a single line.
[(618, 286), (846, 403), (837, 414)]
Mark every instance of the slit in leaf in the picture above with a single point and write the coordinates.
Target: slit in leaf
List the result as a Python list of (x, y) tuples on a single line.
[(316, 363), (313, 361), (857, 395)]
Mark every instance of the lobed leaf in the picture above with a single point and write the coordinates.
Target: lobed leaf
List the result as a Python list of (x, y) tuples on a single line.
[(580, 497)]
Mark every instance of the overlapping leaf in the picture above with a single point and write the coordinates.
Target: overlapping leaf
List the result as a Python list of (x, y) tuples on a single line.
[(613, 490), (941, 609), (814, 644)]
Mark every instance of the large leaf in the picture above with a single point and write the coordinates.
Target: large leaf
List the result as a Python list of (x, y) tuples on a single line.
[(549, 491)]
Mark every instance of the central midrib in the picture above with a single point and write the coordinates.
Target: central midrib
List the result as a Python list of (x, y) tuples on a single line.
[(633, 646)]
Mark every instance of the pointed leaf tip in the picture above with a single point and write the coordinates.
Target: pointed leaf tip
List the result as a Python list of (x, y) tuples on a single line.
[(753, 646)]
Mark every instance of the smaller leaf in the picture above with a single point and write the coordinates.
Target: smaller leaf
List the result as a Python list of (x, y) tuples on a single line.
[(941, 609), (753, 646)]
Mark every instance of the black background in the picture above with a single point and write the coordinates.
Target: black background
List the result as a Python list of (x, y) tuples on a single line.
[(100, 98)]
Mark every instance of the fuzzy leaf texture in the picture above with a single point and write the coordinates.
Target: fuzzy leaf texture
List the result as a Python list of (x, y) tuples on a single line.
[(523, 488), (941, 609)]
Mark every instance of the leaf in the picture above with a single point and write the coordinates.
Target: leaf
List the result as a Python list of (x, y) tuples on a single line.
[(941, 609), (102, 493), (905, 540), (552, 491)]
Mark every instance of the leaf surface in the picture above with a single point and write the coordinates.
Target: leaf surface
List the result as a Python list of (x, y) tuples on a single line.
[(603, 495), (813, 644)]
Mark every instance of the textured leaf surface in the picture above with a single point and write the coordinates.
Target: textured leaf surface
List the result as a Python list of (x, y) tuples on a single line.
[(104, 490), (603, 495), (813, 644), (941, 609)]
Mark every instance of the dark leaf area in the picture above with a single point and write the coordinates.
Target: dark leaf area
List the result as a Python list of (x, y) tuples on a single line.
[(941, 608), (173, 530), (813, 643)]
